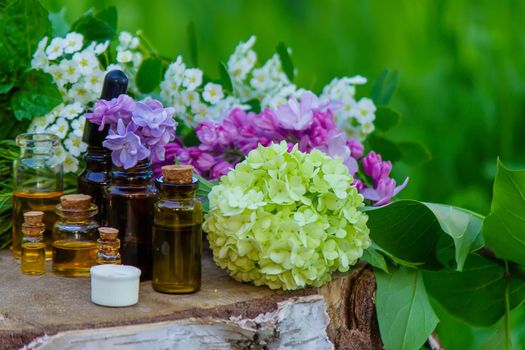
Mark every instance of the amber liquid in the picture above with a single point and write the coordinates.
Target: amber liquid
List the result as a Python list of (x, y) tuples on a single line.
[(177, 258), (132, 215), (74, 258), (33, 259), (27, 201)]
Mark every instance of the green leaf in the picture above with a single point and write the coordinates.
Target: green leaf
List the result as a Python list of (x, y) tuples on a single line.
[(6, 87), (384, 87), (99, 27), (411, 230), (404, 313), (192, 42), (286, 60), (59, 23), (413, 153), (149, 75), (225, 78), (23, 23), (37, 96), (504, 227), (387, 148), (386, 118), (374, 258), (477, 294)]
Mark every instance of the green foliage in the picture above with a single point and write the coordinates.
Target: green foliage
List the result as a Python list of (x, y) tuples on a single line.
[(22, 24), (37, 95), (59, 23), (375, 258), (412, 230), (477, 294), (192, 42), (386, 118), (100, 26), (504, 228), (286, 60), (414, 153), (226, 80), (405, 315), (384, 87), (149, 75)]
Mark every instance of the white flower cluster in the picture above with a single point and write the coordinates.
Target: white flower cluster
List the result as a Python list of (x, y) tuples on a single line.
[(79, 75), (353, 116), (129, 58), (272, 88), (268, 83), (182, 88)]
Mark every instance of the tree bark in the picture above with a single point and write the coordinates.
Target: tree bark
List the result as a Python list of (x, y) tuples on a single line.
[(51, 312)]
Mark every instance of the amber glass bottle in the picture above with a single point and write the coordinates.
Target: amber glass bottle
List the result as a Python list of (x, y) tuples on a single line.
[(95, 177), (33, 259), (75, 236), (177, 235), (130, 199)]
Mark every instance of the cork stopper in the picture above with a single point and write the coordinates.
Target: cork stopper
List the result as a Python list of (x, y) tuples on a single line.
[(33, 226), (32, 218), (75, 202), (178, 174), (108, 233)]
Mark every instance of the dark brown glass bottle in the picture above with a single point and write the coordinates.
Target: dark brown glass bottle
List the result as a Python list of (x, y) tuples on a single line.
[(95, 177), (130, 198), (177, 235)]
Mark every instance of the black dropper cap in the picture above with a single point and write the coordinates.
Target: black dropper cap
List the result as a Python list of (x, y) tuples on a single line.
[(115, 84)]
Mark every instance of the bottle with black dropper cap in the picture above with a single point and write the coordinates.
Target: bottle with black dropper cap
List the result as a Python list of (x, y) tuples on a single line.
[(95, 177)]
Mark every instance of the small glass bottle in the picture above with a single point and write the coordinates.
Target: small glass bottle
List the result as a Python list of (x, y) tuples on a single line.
[(33, 259), (130, 199), (95, 177), (75, 236), (37, 184), (177, 235), (108, 246)]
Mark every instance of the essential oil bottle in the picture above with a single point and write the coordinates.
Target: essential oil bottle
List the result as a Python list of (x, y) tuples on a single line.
[(33, 259), (177, 235), (95, 177), (75, 236), (108, 246)]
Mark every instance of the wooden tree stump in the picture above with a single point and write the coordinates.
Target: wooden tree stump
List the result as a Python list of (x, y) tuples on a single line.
[(52, 312)]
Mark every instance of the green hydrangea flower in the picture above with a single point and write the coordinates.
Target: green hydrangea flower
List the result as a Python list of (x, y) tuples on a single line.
[(286, 219)]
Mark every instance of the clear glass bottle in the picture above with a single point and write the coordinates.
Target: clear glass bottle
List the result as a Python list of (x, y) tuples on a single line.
[(108, 246), (75, 236), (38, 184), (33, 258), (130, 199), (94, 179), (177, 235)]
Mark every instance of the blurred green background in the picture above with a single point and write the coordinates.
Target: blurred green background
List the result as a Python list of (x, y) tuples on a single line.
[(461, 64)]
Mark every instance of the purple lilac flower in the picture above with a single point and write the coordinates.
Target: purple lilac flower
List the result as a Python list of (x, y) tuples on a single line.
[(296, 115), (356, 148), (109, 112), (126, 146), (384, 191)]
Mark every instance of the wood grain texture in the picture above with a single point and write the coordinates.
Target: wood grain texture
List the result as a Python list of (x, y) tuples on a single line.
[(39, 306)]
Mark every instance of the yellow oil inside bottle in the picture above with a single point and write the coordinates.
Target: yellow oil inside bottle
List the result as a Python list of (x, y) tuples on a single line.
[(33, 258), (28, 201), (74, 258)]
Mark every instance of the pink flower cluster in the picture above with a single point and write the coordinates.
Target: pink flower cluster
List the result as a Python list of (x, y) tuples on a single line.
[(384, 187), (307, 123), (137, 130)]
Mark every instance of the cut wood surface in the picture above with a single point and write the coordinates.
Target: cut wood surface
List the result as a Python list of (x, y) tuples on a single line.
[(52, 312)]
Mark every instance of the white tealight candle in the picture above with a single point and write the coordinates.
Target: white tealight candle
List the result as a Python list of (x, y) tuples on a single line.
[(115, 285)]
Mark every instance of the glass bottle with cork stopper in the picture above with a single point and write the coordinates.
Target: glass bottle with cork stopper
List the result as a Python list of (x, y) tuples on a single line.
[(94, 179), (177, 235), (33, 258), (37, 184), (75, 236), (108, 246)]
